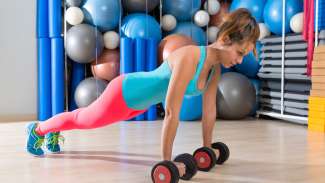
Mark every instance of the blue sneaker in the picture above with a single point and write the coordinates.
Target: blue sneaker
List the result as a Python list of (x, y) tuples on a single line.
[(34, 141), (52, 142)]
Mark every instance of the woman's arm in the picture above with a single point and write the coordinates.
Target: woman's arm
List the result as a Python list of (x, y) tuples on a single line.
[(183, 71), (209, 111)]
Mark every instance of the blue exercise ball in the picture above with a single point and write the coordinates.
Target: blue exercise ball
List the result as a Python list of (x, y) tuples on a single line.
[(183, 10), (257, 85), (251, 64), (255, 7), (191, 30), (105, 14), (273, 14), (191, 108), (140, 25), (225, 70)]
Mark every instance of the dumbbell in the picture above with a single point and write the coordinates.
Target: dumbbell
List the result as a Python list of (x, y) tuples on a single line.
[(206, 158), (223, 152), (167, 171)]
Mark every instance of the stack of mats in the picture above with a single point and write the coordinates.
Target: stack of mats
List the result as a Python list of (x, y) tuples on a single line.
[(316, 118), (297, 84), (321, 37)]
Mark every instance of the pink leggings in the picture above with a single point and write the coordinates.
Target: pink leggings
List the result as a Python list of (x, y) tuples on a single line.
[(109, 108)]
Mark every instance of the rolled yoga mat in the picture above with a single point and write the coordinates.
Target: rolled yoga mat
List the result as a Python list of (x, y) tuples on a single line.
[(55, 18), (152, 55), (44, 78), (140, 46), (57, 70), (42, 19)]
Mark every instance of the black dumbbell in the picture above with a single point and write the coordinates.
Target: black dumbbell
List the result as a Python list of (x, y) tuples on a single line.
[(205, 158), (190, 163), (223, 152), (167, 171)]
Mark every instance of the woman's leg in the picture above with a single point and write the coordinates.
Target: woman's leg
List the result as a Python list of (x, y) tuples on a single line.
[(109, 108)]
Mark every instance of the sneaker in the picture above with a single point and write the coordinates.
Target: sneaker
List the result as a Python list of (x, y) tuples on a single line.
[(52, 142), (34, 141)]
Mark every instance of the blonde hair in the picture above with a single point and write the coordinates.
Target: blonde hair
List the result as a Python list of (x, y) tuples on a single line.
[(240, 26)]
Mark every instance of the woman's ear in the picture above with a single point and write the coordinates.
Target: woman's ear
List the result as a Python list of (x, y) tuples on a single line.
[(225, 40)]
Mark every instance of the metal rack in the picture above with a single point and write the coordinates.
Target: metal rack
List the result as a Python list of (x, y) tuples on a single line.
[(281, 115)]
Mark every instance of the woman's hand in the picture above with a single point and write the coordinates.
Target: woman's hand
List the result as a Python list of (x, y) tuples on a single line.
[(181, 168)]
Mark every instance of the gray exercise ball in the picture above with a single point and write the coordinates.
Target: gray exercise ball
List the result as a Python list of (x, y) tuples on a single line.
[(73, 2), (140, 5), (322, 42), (236, 96), (84, 43), (88, 91)]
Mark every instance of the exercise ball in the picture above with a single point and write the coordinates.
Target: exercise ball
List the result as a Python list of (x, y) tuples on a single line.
[(297, 22), (183, 10), (201, 18), (73, 2), (84, 43), (255, 7), (217, 19), (107, 66), (273, 14), (88, 91), (212, 6), (191, 108), (139, 25), (74, 16), (111, 40), (168, 22), (170, 43), (257, 86), (191, 30), (264, 31), (102, 13), (250, 64), (236, 96), (140, 5), (212, 33)]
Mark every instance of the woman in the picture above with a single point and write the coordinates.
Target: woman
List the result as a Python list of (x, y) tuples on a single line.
[(190, 70)]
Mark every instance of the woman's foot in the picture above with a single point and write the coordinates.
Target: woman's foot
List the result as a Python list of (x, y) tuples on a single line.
[(52, 142), (34, 141)]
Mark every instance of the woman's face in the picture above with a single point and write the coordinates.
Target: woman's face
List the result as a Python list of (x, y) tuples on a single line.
[(233, 54)]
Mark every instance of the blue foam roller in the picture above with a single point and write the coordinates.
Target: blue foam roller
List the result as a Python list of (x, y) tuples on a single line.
[(44, 78), (126, 55), (55, 18), (57, 68), (42, 19), (77, 75), (152, 55), (140, 63)]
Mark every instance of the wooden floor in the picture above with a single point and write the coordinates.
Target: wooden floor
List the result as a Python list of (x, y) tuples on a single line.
[(260, 152)]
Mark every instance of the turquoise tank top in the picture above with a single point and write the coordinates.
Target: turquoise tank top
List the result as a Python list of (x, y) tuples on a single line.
[(143, 89)]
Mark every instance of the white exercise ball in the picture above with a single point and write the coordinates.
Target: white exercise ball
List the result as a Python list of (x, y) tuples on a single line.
[(212, 33), (201, 18), (212, 6), (296, 22), (264, 31), (168, 22), (74, 16), (111, 40)]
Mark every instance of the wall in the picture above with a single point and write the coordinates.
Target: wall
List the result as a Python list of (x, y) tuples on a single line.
[(18, 65)]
